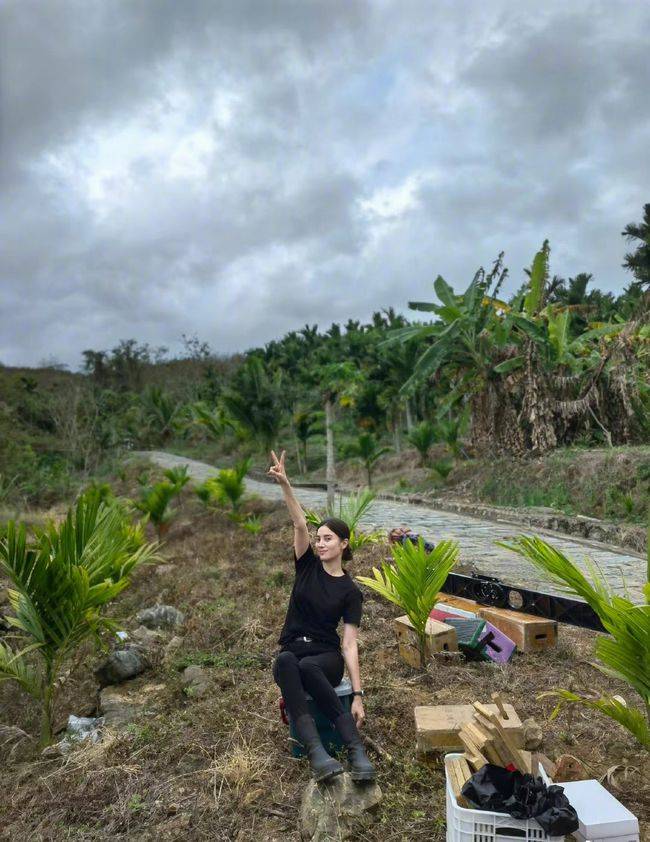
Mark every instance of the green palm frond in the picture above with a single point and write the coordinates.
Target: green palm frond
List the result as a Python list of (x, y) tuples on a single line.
[(625, 653), (60, 581), (615, 708), (227, 488), (177, 476), (414, 579), (14, 667)]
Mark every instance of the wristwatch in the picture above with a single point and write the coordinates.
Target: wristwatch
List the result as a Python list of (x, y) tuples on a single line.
[(358, 693)]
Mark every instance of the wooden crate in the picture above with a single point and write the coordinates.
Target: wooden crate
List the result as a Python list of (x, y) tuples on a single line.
[(440, 638), (437, 726), (528, 632)]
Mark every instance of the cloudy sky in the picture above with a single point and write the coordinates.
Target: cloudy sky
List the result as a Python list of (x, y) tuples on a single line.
[(237, 168)]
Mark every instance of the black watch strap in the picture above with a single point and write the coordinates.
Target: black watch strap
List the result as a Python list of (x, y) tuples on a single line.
[(358, 693)]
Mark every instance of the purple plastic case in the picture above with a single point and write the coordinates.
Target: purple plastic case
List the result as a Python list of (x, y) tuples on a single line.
[(496, 645)]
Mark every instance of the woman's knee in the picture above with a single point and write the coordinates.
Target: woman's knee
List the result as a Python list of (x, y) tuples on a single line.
[(284, 662)]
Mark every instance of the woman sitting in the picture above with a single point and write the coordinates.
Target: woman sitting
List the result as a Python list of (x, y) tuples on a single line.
[(312, 658)]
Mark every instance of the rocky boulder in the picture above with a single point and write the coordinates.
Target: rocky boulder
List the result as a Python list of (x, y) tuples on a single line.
[(122, 705), (333, 810), (533, 734), (195, 681), (121, 665), (161, 617)]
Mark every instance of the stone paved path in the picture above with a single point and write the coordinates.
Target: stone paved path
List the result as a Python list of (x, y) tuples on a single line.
[(476, 537)]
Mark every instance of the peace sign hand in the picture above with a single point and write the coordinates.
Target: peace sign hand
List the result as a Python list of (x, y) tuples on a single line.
[(277, 469)]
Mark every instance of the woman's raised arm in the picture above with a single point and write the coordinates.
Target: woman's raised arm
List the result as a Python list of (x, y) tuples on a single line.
[(300, 532)]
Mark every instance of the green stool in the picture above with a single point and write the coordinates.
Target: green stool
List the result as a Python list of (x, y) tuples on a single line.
[(328, 734)]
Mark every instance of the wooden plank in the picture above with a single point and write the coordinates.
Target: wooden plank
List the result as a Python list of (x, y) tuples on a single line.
[(477, 734), (528, 760), (437, 726), (498, 701), (505, 757), (457, 780), (512, 748), (453, 778), (464, 766), (549, 767), (474, 756)]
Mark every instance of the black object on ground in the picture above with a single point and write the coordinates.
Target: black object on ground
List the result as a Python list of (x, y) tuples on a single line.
[(523, 797)]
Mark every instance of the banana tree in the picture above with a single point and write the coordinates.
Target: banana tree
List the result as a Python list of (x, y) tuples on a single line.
[(413, 581), (306, 424), (623, 654), (61, 579), (469, 340)]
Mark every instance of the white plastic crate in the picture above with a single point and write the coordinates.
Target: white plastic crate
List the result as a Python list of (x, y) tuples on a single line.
[(464, 825)]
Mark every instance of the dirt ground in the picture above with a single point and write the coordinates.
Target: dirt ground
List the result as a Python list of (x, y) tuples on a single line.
[(219, 767)]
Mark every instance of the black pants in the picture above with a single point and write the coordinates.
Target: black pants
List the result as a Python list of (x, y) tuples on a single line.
[(306, 667)]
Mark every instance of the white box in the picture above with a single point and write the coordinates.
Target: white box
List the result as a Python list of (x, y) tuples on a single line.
[(451, 609), (602, 818)]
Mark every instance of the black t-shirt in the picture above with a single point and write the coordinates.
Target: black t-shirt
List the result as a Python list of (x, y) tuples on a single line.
[(318, 601)]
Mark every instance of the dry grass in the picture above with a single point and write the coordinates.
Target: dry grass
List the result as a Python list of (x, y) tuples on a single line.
[(219, 767)]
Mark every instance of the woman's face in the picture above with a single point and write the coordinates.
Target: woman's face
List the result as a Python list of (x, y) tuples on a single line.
[(328, 544)]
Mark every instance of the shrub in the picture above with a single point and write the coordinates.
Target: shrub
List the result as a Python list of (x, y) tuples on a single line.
[(154, 501), (422, 438), (414, 580), (227, 488), (61, 579), (350, 510)]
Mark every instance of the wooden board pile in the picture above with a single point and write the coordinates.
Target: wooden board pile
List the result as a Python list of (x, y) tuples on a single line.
[(486, 741)]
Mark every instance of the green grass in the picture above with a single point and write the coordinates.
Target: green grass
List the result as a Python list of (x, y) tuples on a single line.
[(220, 660)]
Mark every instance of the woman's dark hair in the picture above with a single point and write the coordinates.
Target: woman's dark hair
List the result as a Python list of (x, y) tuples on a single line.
[(340, 528)]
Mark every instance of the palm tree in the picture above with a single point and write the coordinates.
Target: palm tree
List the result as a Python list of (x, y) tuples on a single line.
[(422, 438), (61, 579), (255, 400), (160, 412), (155, 499), (638, 261), (367, 450), (624, 653), (350, 509), (227, 488), (413, 581)]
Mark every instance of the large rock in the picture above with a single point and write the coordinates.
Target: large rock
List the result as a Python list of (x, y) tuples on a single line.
[(122, 705), (533, 734), (148, 639), (330, 811), (121, 665), (195, 681), (161, 617)]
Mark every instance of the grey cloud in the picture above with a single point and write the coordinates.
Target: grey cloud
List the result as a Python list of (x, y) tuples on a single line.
[(514, 124)]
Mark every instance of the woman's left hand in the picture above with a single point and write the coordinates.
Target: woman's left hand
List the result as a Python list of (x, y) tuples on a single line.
[(357, 711)]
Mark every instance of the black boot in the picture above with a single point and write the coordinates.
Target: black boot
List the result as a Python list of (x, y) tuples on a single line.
[(361, 769), (322, 765)]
